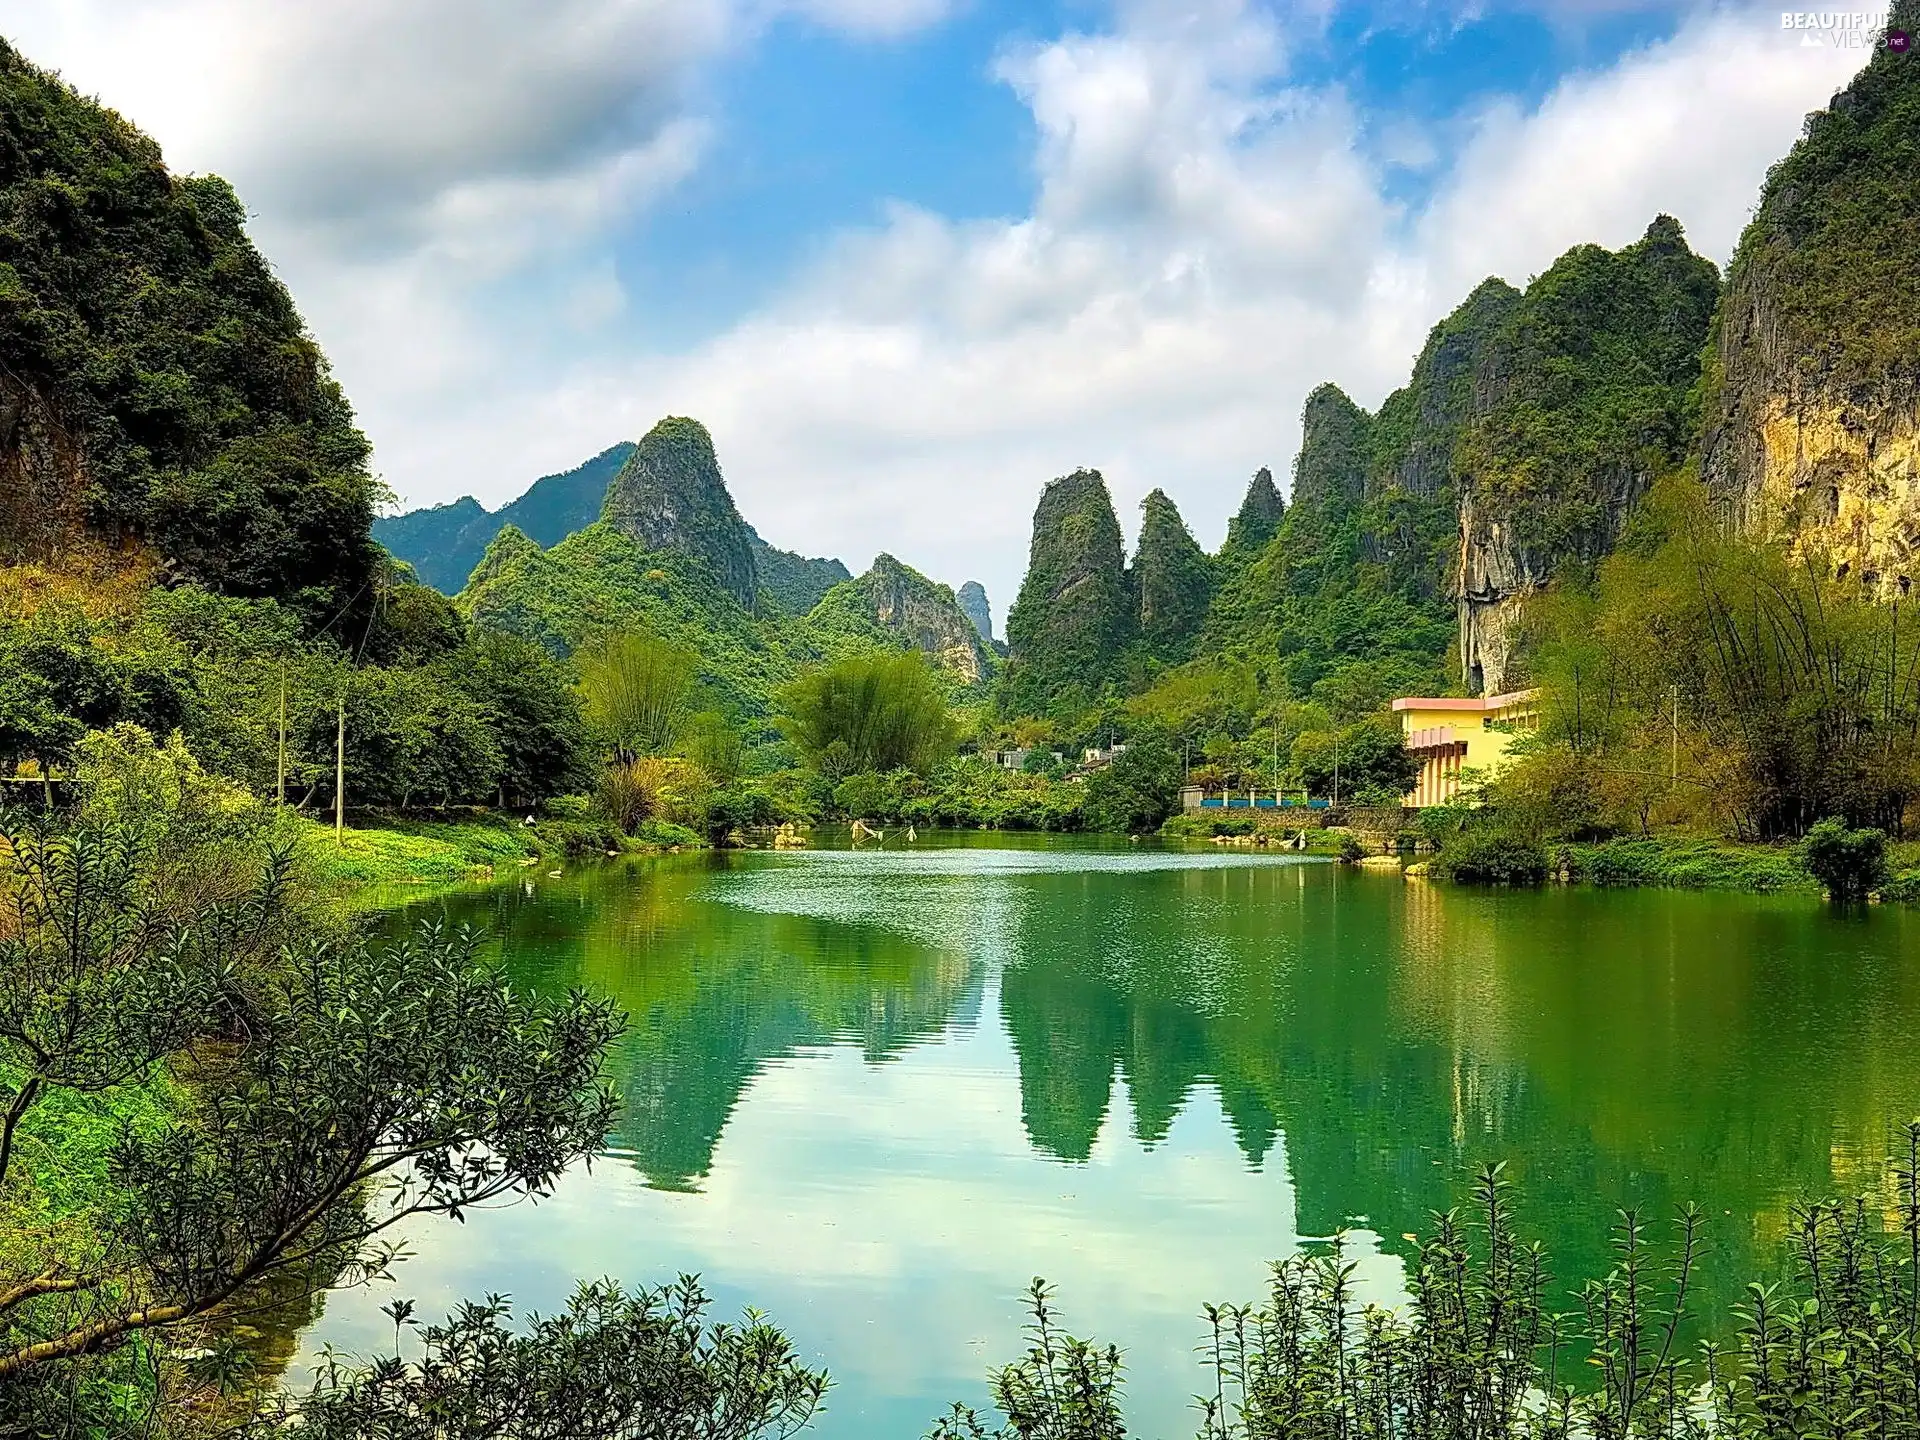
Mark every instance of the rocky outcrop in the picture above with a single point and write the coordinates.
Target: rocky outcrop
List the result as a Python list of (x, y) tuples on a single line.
[(927, 616), (1812, 408), (1259, 516), (670, 495), (973, 603), (1172, 581), (42, 476), (1580, 397), (1073, 618), (444, 542)]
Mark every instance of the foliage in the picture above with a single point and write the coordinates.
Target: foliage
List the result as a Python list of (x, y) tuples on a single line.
[(1493, 854), (797, 583), (1716, 680), (650, 787), (351, 1088), (1686, 862), (873, 712), (1478, 1354), (1062, 1389), (1172, 581), (1374, 765), (715, 746), (1138, 790), (1850, 863), (138, 322), (639, 693), (612, 1365)]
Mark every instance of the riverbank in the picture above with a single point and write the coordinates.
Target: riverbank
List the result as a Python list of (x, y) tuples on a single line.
[(395, 850)]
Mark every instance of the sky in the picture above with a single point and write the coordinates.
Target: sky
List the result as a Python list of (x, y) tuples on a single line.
[(910, 259)]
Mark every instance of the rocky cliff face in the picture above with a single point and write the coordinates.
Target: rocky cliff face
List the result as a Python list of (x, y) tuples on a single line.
[(1580, 397), (1172, 581), (973, 603), (1073, 617), (1259, 516), (1812, 423), (670, 496), (927, 616)]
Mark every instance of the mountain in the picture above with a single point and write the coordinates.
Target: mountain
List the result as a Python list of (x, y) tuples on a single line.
[(973, 601), (667, 558), (797, 582), (156, 382), (1259, 516), (1073, 618), (1172, 581), (894, 604), (1812, 387), (670, 496), (444, 543), (1587, 395)]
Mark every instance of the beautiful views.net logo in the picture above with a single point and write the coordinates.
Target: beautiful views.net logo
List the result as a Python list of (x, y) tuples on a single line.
[(1848, 29)]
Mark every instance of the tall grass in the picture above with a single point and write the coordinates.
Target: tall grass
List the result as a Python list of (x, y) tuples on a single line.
[(1827, 1351)]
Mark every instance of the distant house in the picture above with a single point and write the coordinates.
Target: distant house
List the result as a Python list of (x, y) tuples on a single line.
[(1096, 758), (1451, 736)]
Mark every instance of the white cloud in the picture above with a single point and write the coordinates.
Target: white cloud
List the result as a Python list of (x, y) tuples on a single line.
[(441, 186)]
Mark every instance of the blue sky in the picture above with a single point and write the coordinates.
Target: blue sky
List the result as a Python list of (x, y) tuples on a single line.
[(911, 258)]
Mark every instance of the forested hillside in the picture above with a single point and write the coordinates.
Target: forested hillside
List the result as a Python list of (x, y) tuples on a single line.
[(157, 385)]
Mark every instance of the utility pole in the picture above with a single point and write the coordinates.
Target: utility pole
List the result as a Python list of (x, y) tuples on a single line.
[(1336, 769), (340, 773), (280, 778), (1676, 735)]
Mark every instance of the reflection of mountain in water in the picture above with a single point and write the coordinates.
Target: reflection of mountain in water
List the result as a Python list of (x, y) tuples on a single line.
[(713, 992), (1614, 1047), (1636, 1048)]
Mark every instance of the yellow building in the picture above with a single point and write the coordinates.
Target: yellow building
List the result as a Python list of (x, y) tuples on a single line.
[(1451, 736)]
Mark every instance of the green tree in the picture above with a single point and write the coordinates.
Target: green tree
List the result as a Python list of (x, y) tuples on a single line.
[(639, 692), (877, 712), (339, 1089), (1138, 790), (533, 710)]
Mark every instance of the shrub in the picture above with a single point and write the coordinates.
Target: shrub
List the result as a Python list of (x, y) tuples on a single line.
[(1848, 862), (1493, 855)]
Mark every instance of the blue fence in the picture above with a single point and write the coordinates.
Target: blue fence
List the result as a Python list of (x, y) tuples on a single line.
[(1262, 802)]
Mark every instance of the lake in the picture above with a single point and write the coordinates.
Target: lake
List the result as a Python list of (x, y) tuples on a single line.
[(874, 1092)]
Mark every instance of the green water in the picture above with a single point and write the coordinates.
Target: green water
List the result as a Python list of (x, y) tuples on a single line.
[(875, 1092)]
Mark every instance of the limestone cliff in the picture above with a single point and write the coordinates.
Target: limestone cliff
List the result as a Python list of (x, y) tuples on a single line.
[(1073, 618), (797, 582), (1813, 387), (1172, 581), (927, 616), (1581, 395), (973, 601), (670, 495), (1260, 514)]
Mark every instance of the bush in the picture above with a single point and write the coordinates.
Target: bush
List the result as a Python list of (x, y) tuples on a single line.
[(1849, 863), (1490, 855)]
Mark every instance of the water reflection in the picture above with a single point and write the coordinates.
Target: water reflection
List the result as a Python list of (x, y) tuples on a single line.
[(876, 1091)]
